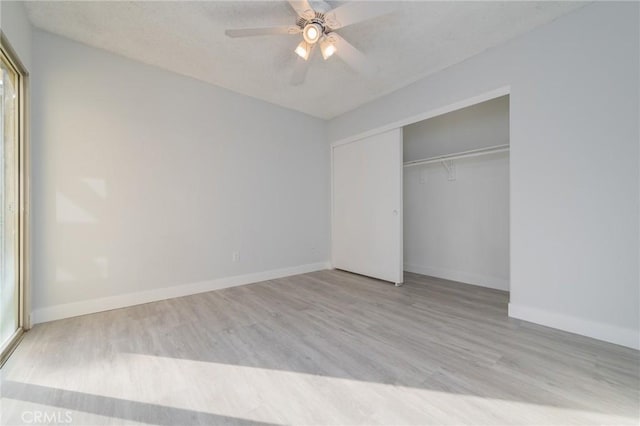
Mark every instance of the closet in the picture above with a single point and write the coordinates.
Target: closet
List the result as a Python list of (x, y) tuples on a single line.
[(456, 195), (431, 198)]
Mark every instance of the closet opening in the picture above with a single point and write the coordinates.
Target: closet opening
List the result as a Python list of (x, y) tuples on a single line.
[(456, 210)]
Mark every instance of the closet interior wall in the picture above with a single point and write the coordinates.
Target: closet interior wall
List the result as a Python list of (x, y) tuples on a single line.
[(456, 212)]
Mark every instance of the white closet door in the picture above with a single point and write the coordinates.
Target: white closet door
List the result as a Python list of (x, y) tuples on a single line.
[(367, 206)]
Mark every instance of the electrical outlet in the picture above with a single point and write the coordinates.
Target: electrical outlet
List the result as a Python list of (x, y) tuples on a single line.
[(235, 256)]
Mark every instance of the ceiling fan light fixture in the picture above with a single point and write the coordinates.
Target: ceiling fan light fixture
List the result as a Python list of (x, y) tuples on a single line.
[(312, 33), (327, 48), (318, 24), (303, 50)]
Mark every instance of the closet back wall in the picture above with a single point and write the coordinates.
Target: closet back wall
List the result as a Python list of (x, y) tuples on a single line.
[(478, 126), (144, 180), (459, 229)]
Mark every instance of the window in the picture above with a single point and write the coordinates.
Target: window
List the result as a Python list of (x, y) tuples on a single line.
[(11, 200)]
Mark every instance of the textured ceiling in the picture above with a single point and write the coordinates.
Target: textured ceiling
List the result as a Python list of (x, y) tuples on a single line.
[(417, 39)]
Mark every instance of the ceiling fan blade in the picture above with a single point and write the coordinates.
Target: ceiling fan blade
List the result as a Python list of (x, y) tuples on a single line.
[(251, 32), (352, 56), (356, 11), (301, 68), (303, 8)]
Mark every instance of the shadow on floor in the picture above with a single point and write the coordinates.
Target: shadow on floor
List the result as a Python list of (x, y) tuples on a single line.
[(103, 406)]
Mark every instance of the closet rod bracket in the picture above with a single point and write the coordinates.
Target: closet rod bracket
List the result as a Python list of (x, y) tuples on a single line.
[(450, 167)]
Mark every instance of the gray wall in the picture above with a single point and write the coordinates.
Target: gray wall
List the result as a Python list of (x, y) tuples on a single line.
[(15, 25), (459, 229), (574, 163), (144, 179)]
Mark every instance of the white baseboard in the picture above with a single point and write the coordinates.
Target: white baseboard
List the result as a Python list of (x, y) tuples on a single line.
[(91, 306), (463, 277), (596, 330)]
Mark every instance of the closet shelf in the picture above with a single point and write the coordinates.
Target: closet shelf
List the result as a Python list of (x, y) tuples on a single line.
[(458, 155)]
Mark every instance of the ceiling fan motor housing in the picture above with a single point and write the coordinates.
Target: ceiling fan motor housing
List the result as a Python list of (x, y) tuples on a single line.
[(312, 32), (313, 29)]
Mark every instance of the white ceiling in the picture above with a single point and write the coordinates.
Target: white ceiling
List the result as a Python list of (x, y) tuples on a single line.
[(416, 40)]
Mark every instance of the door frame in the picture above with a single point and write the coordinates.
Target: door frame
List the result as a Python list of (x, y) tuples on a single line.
[(23, 248), (434, 112)]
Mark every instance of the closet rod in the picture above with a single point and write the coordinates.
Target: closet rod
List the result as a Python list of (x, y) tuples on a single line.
[(458, 155)]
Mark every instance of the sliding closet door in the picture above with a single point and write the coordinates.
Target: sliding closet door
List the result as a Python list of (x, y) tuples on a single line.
[(367, 206)]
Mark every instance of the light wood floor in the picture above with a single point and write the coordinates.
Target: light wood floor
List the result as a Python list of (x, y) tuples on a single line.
[(321, 348)]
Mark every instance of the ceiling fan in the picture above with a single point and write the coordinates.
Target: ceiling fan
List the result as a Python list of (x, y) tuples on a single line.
[(318, 25)]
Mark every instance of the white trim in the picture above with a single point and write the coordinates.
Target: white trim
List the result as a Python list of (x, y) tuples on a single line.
[(331, 213), (91, 306), (460, 276), (596, 330), (483, 97), (401, 209)]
